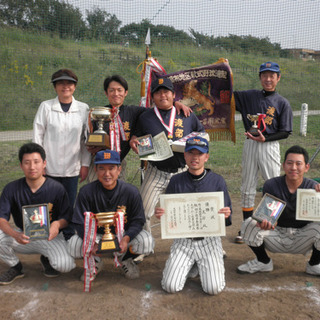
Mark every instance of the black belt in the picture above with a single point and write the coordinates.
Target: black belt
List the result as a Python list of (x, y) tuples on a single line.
[(197, 239), (168, 170)]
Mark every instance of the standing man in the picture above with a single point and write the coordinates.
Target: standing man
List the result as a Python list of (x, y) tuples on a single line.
[(289, 235), (124, 124), (261, 152), (204, 254), (107, 194), (162, 118), (34, 189)]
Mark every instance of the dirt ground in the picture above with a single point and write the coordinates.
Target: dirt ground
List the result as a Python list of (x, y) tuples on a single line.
[(286, 293)]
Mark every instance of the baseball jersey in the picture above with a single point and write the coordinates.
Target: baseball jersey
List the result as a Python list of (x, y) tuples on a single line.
[(129, 116), (17, 194), (148, 123), (94, 198), (210, 182), (278, 188), (277, 109)]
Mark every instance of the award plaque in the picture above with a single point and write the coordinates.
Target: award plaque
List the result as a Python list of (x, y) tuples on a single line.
[(109, 241), (99, 138), (257, 120), (145, 145), (269, 208), (36, 222)]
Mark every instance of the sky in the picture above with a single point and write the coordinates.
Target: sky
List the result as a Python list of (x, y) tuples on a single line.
[(291, 23)]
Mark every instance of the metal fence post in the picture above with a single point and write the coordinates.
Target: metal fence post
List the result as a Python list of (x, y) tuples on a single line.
[(304, 120)]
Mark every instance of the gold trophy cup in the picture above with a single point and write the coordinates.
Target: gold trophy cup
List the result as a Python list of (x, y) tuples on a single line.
[(99, 138), (109, 241), (254, 129)]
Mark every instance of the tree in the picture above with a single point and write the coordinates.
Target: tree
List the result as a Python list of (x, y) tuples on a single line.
[(102, 25)]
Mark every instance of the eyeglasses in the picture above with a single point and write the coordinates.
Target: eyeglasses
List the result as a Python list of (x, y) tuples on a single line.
[(197, 143)]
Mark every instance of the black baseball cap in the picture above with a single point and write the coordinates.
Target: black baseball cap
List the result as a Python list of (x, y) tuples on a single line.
[(161, 83), (64, 77)]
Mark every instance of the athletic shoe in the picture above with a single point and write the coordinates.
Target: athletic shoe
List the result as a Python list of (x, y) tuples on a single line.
[(99, 266), (238, 239), (224, 254), (10, 275), (314, 270), (139, 258), (130, 269), (48, 271), (194, 272), (254, 266)]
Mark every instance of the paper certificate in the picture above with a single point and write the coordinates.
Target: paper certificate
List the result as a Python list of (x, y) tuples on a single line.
[(308, 205), (192, 215), (162, 148)]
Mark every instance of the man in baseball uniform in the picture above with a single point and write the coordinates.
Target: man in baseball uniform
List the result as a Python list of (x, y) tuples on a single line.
[(107, 194), (289, 235), (188, 254), (123, 125), (34, 189), (261, 151), (162, 118)]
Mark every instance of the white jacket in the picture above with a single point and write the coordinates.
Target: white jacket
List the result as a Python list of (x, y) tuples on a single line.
[(62, 135)]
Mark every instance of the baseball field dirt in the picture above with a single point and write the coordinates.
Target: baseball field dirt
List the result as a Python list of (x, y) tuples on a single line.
[(286, 293)]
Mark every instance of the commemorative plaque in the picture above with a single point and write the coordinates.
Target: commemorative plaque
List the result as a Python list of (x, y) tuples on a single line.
[(36, 222), (269, 208), (145, 145)]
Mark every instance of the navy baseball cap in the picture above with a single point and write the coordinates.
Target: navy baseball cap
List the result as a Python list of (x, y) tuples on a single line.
[(198, 143), (161, 83), (269, 66), (107, 157)]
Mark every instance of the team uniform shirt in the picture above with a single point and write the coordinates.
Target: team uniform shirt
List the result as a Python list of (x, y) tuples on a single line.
[(62, 135), (211, 182), (278, 188), (276, 108), (94, 198), (129, 116), (148, 123), (17, 194)]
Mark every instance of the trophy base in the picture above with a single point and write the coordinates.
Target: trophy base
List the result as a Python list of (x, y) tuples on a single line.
[(98, 140), (254, 131), (106, 246)]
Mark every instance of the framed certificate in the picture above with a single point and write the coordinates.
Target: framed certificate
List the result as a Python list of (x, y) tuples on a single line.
[(308, 205), (36, 222), (192, 215), (269, 208)]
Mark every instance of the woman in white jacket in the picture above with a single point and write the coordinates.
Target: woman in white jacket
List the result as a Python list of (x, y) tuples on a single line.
[(59, 127)]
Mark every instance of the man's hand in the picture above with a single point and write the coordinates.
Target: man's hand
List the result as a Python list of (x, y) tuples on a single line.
[(93, 149), (83, 173), (54, 230), (317, 187), (181, 107), (259, 138), (159, 212), (226, 211), (265, 225), (21, 238), (134, 144), (124, 244)]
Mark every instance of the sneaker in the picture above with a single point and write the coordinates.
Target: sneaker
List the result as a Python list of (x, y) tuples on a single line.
[(10, 275), (48, 271), (254, 266), (238, 239), (314, 270), (224, 254), (99, 266), (130, 269), (139, 258), (194, 272)]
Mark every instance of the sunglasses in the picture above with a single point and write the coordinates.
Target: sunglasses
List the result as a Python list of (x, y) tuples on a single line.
[(197, 143)]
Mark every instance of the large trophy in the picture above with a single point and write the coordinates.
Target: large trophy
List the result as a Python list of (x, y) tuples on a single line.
[(99, 138), (257, 120), (109, 241)]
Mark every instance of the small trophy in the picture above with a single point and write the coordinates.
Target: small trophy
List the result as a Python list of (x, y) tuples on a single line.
[(99, 138), (257, 120), (109, 241)]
